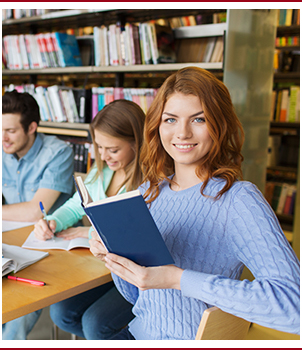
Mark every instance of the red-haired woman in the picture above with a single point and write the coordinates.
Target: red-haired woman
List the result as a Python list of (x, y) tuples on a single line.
[(212, 222)]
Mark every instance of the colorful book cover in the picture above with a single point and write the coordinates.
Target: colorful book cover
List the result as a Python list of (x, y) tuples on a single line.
[(68, 49)]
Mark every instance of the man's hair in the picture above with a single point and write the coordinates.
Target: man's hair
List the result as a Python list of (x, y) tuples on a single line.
[(14, 102)]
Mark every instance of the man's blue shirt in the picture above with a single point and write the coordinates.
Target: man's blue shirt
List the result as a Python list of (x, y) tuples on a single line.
[(48, 164)]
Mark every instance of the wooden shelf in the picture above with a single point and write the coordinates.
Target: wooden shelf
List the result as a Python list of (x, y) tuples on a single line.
[(288, 30), (288, 48), (199, 31), (284, 128), (61, 20), (67, 129), (115, 69), (287, 77)]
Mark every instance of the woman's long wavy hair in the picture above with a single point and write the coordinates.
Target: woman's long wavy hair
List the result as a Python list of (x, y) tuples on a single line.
[(223, 160), (124, 120)]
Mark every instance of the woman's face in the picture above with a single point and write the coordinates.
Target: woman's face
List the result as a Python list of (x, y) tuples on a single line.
[(117, 153), (183, 131)]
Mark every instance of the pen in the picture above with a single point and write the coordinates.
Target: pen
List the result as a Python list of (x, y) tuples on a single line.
[(43, 212), (36, 283)]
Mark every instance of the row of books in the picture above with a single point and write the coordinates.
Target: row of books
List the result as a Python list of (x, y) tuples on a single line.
[(283, 41), (142, 43), (286, 105), (59, 103), (208, 49), (20, 13), (281, 197), (101, 96), (287, 60), (83, 155), (288, 17), (43, 50), (176, 22), (79, 105)]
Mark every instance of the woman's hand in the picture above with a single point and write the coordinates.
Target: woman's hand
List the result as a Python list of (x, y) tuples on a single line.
[(96, 246), (74, 232), (158, 277), (42, 231)]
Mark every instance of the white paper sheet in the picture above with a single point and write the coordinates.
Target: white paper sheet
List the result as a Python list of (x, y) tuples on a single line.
[(13, 225)]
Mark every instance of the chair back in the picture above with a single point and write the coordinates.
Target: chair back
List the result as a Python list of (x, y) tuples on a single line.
[(216, 324)]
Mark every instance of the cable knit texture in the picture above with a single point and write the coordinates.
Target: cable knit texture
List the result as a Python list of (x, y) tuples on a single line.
[(212, 240)]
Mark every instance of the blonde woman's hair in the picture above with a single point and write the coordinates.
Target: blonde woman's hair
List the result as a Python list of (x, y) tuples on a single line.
[(122, 119)]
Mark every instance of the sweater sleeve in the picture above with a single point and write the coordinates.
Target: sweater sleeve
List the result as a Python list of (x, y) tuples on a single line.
[(128, 290), (272, 299), (68, 214)]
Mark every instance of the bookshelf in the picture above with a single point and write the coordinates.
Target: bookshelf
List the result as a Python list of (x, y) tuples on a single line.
[(250, 84), (283, 169)]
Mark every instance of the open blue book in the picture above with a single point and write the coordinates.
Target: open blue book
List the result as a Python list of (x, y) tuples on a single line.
[(126, 226)]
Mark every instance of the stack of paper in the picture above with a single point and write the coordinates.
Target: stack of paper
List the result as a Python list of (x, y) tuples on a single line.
[(15, 258)]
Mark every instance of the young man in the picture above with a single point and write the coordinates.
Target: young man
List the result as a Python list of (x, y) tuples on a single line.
[(35, 168)]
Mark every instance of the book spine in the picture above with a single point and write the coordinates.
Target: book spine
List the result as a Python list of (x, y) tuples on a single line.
[(59, 54), (284, 106), (54, 96), (23, 51), (97, 55), (282, 198), (94, 101)]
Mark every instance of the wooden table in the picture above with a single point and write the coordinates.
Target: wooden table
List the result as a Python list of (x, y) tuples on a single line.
[(66, 273)]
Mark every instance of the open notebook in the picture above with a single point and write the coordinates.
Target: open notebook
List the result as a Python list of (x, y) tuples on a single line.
[(15, 258)]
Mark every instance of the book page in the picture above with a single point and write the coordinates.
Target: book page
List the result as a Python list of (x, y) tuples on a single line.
[(82, 190), (116, 198), (21, 257), (56, 243), (7, 266)]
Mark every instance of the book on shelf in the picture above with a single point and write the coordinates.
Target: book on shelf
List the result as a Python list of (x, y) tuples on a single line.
[(287, 60), (165, 44), (286, 105), (287, 41), (83, 154), (294, 104), (60, 243), (15, 258), (102, 96), (68, 49), (217, 55), (288, 17), (22, 13), (289, 204), (281, 196), (276, 195), (134, 43), (126, 227), (41, 50), (209, 49)]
